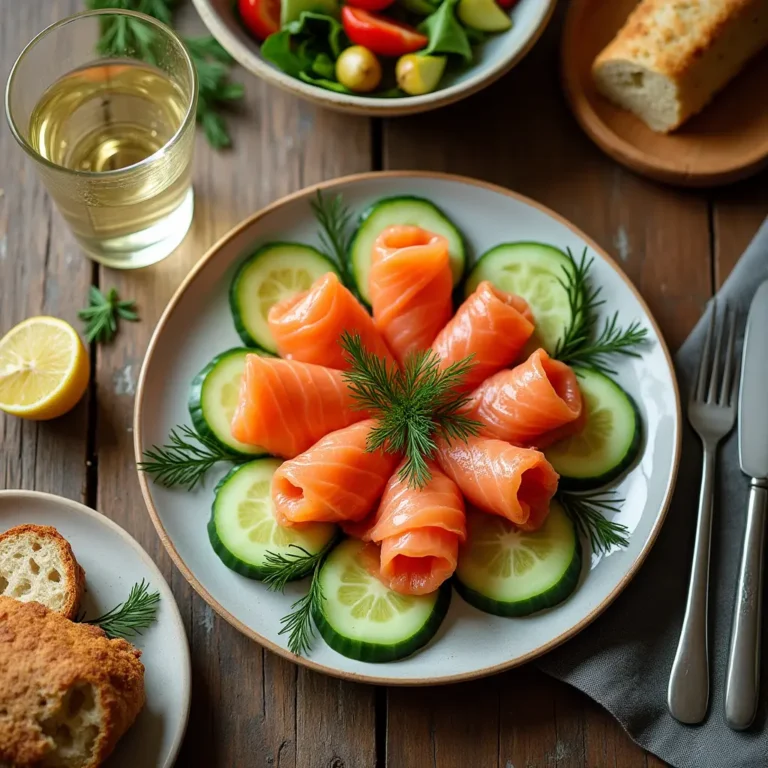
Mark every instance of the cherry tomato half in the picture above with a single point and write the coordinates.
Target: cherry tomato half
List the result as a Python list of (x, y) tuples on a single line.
[(371, 5), (380, 34), (262, 17)]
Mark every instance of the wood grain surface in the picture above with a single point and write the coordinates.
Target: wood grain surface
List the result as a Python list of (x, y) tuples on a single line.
[(251, 708)]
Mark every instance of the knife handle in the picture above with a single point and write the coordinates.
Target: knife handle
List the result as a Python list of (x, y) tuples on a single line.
[(743, 676)]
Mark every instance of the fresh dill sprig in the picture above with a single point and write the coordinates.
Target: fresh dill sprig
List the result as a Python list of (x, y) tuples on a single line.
[(131, 617), (581, 345), (282, 568), (125, 36), (413, 406), (102, 313), (336, 233), (587, 511), (185, 459)]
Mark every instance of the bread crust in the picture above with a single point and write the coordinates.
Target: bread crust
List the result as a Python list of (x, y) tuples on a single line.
[(73, 571), (43, 656)]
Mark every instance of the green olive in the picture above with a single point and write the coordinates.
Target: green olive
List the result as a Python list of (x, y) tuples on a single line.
[(418, 74), (358, 69)]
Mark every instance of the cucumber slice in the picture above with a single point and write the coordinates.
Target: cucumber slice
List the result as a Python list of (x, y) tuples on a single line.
[(275, 272), (508, 572), (609, 442), (390, 211), (361, 618), (242, 529), (533, 271), (213, 399)]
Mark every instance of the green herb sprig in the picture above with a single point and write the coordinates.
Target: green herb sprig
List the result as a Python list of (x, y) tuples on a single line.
[(412, 406), (587, 511), (128, 619), (185, 459), (283, 568), (581, 344), (336, 233), (103, 312), (124, 36)]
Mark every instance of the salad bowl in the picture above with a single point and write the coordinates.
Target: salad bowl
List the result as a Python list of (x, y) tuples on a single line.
[(491, 59)]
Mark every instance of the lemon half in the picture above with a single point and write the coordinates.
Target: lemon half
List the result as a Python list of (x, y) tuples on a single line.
[(44, 369)]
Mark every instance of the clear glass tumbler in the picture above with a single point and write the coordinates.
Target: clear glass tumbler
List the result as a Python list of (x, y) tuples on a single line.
[(104, 102)]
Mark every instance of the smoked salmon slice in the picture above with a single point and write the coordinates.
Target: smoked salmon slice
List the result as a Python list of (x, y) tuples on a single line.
[(529, 404), (492, 326), (502, 479), (410, 287), (286, 407), (419, 530), (308, 326), (336, 479)]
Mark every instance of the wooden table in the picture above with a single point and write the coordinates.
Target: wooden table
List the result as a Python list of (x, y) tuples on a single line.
[(249, 707)]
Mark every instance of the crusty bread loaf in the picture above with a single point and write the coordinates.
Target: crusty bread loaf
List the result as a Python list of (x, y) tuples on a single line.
[(672, 56), (67, 693), (37, 563)]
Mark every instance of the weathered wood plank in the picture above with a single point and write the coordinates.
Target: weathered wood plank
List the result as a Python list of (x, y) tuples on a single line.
[(245, 699), (41, 272), (528, 141)]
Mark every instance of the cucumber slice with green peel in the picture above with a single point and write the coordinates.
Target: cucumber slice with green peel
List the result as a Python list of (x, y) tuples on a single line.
[(610, 441), (533, 271), (391, 211), (275, 272), (213, 399), (242, 528), (509, 572), (362, 619)]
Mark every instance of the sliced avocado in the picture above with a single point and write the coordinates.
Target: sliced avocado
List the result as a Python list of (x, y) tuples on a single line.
[(484, 15), (291, 10)]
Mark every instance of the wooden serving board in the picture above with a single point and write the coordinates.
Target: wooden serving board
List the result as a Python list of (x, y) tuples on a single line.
[(727, 141)]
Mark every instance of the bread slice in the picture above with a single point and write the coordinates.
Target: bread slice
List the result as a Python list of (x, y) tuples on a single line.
[(672, 56), (67, 692), (37, 563)]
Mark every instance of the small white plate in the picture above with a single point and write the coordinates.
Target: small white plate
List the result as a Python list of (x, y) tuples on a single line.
[(198, 325), (113, 563)]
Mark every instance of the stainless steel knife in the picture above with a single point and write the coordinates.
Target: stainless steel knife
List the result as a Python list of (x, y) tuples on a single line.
[(743, 676)]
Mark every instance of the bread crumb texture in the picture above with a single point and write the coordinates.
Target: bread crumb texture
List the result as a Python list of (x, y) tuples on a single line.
[(67, 692)]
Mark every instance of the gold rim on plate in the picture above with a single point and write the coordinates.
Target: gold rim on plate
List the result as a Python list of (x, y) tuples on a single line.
[(212, 252)]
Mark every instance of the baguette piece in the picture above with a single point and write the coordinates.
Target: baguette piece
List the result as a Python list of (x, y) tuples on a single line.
[(67, 692), (37, 563), (672, 56)]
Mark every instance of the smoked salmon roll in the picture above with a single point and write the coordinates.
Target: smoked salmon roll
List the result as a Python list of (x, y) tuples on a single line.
[(337, 479), (529, 404), (308, 326), (419, 530), (410, 287), (502, 479), (492, 326), (286, 407)]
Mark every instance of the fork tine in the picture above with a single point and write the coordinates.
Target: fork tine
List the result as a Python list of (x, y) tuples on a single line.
[(714, 373), (730, 361), (702, 374)]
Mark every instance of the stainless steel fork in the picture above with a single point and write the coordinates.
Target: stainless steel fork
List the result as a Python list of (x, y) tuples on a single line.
[(712, 413)]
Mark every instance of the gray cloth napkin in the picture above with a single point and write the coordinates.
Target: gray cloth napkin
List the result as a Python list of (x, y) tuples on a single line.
[(623, 660)]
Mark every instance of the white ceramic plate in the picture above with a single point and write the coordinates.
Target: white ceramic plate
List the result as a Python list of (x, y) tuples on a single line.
[(113, 563), (197, 325)]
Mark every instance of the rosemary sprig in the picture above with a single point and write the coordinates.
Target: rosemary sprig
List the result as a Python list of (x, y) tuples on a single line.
[(185, 459), (128, 619), (413, 406), (124, 36), (587, 511), (336, 233), (282, 568), (102, 314), (581, 345)]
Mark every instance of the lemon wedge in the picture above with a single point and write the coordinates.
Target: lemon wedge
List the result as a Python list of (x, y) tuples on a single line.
[(44, 369)]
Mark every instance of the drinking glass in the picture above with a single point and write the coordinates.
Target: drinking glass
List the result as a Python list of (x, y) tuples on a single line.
[(104, 102)]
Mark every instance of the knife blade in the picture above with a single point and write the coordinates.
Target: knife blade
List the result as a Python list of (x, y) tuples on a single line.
[(743, 674)]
